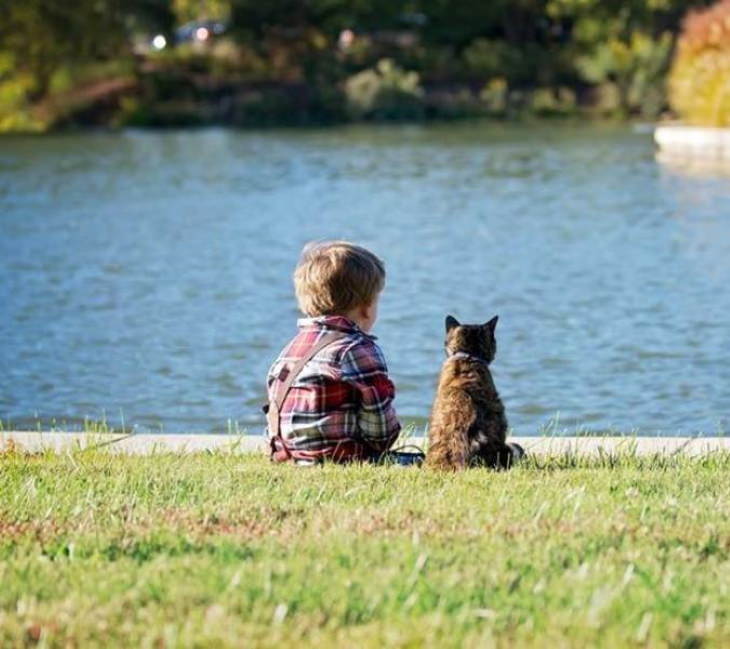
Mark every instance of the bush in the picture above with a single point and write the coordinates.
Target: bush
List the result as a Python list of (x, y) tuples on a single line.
[(16, 114), (635, 69), (548, 102), (385, 92), (494, 96), (699, 82), (521, 66)]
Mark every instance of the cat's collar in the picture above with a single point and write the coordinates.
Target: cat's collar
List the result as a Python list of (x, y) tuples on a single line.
[(465, 356)]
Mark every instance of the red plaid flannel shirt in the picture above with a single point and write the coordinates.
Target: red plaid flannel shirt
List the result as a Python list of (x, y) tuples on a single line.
[(340, 406)]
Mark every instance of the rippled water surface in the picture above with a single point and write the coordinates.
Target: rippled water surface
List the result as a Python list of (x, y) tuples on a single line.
[(147, 275)]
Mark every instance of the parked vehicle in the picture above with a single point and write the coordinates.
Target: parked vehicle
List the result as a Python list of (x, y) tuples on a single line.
[(196, 31), (200, 31)]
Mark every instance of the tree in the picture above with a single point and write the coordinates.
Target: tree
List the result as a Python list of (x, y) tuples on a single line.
[(43, 35)]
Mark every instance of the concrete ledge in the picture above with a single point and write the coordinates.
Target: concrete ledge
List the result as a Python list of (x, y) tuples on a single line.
[(136, 444), (142, 444), (694, 142)]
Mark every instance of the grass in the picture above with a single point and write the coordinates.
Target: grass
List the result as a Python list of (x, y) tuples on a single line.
[(216, 549)]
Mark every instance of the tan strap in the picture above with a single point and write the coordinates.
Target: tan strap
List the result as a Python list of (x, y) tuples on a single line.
[(274, 414)]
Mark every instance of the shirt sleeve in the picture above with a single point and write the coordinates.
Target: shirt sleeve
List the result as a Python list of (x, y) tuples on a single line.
[(363, 367)]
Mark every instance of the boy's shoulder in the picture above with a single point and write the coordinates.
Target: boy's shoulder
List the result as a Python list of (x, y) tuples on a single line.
[(362, 356), (348, 342), (353, 352)]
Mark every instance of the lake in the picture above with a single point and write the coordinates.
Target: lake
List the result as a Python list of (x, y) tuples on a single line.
[(146, 276)]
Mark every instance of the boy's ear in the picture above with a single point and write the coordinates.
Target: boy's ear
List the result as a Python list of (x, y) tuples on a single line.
[(451, 322), (492, 324)]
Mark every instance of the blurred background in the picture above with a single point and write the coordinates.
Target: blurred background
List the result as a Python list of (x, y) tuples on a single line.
[(155, 195), (284, 62)]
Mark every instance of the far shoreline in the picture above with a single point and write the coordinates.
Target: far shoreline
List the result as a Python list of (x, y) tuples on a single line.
[(639, 126)]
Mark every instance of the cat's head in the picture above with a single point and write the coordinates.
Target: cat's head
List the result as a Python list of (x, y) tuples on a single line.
[(476, 340)]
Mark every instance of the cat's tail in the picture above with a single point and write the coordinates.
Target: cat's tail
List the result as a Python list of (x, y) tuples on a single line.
[(518, 453)]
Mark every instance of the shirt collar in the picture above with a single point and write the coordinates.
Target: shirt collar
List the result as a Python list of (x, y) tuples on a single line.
[(333, 322)]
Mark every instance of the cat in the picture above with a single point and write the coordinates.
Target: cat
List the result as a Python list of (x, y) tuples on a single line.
[(468, 426)]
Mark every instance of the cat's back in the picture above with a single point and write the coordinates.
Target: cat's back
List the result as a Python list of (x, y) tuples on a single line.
[(466, 375), (454, 407)]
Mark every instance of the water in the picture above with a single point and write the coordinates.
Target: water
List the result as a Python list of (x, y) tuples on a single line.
[(146, 275)]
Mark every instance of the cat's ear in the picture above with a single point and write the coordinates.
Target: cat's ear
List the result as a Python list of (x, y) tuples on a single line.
[(451, 322), (492, 324)]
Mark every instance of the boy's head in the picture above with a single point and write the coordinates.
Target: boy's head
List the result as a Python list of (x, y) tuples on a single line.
[(339, 278)]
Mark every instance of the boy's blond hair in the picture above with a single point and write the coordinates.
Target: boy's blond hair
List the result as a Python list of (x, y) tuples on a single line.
[(333, 277)]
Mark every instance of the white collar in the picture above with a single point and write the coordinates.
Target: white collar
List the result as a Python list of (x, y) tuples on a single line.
[(465, 356)]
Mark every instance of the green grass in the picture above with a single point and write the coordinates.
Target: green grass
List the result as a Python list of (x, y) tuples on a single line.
[(222, 550)]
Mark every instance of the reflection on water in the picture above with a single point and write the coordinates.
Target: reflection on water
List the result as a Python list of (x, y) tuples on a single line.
[(149, 273)]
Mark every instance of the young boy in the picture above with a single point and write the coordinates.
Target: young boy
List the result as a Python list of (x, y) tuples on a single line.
[(329, 392)]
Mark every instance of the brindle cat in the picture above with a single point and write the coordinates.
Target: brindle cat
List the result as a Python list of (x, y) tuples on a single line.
[(468, 426)]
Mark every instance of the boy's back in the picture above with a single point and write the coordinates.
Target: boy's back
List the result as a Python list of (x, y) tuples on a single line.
[(333, 401), (340, 405)]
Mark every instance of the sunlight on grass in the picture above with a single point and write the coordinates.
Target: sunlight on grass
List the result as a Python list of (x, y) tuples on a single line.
[(217, 549)]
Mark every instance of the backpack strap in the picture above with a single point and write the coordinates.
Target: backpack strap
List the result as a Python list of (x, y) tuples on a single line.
[(273, 416)]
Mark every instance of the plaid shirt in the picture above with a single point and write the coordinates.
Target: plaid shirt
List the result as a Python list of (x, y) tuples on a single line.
[(341, 405)]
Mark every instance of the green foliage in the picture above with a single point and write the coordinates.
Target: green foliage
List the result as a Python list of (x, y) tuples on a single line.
[(44, 36), (15, 113), (491, 57), (613, 50), (623, 47), (700, 76), (186, 10), (48, 40), (495, 95), (635, 67), (549, 102), (384, 92)]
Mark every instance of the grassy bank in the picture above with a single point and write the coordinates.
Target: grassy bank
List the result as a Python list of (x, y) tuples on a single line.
[(219, 550)]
